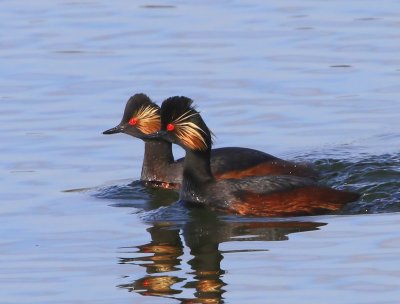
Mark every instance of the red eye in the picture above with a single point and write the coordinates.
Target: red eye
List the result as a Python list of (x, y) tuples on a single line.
[(133, 121), (170, 127)]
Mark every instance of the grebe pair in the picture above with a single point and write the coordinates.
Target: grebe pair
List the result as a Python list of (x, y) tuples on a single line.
[(142, 117), (234, 180)]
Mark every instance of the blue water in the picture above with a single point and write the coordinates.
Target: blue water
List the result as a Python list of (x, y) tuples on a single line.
[(310, 81)]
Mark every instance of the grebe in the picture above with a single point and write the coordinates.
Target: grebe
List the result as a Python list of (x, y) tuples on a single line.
[(274, 195)]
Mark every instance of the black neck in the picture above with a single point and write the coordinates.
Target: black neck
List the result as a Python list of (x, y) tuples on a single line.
[(197, 170), (157, 155)]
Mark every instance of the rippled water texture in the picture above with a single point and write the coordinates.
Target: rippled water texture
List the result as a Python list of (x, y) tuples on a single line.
[(312, 81)]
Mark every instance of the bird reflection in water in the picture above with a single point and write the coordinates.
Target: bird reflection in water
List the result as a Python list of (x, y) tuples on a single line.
[(167, 274), (161, 255)]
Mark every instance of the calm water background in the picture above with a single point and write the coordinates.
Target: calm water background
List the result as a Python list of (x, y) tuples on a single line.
[(315, 81)]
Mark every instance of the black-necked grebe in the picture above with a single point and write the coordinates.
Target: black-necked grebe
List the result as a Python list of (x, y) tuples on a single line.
[(274, 195), (142, 117)]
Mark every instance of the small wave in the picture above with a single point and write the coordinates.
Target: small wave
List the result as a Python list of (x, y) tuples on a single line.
[(134, 190), (134, 195), (175, 213), (376, 177)]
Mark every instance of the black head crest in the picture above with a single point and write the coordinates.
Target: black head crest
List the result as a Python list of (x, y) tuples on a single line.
[(142, 113), (180, 117)]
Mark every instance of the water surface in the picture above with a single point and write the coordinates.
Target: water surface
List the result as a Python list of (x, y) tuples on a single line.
[(309, 81)]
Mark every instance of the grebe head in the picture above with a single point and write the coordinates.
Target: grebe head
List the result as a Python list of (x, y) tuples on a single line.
[(141, 117), (182, 124)]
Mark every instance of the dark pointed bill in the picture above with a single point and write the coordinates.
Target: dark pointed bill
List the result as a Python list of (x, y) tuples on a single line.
[(117, 129)]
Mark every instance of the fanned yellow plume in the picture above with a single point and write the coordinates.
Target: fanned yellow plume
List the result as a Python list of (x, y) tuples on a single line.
[(190, 133), (148, 120)]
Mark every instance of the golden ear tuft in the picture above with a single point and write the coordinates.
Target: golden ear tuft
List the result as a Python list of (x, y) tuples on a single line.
[(189, 133), (148, 120)]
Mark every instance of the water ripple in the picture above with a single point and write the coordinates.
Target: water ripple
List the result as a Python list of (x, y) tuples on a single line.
[(377, 177), (135, 195)]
